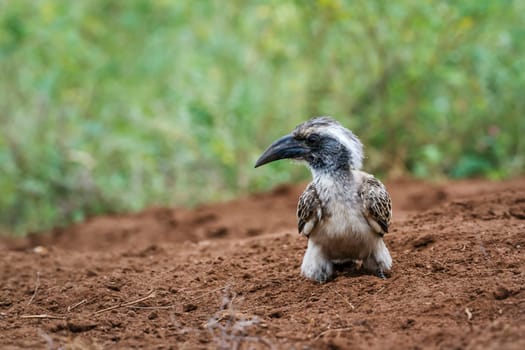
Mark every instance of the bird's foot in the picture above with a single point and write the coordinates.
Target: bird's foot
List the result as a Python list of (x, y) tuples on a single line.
[(380, 274), (321, 273), (321, 276), (315, 266)]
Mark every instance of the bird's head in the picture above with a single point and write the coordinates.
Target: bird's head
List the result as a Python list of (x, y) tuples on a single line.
[(321, 142)]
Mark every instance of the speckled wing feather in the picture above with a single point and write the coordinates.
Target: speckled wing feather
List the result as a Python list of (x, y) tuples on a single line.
[(377, 206), (309, 210)]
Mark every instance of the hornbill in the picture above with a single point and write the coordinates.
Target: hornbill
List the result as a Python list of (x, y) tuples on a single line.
[(344, 212)]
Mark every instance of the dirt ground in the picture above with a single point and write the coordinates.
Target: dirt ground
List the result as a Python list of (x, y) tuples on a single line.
[(227, 276)]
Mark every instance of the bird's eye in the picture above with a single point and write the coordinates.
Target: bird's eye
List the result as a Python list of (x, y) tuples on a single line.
[(313, 139)]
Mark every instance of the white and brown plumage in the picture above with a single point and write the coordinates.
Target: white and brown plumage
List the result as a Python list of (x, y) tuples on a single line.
[(344, 212)]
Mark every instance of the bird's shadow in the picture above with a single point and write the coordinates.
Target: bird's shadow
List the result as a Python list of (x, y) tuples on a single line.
[(350, 269)]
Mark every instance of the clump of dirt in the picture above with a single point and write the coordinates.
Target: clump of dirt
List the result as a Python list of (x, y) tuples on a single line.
[(227, 276)]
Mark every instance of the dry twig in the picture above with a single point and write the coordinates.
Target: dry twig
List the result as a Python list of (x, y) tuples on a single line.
[(332, 330), (206, 293), (43, 316), (47, 338), (345, 299), (161, 307), (469, 313), (71, 307), (37, 284), (151, 294), (234, 331)]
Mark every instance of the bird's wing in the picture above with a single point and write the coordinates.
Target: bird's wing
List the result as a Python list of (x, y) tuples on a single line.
[(309, 211), (377, 205)]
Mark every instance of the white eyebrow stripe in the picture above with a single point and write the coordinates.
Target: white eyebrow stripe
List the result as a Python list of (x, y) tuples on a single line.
[(351, 142)]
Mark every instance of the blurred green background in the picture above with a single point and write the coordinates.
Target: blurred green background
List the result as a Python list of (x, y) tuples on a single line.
[(116, 105)]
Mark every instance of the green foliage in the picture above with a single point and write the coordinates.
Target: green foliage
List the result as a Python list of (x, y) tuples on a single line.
[(116, 105)]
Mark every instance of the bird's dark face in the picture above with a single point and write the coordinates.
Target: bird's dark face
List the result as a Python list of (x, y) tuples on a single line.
[(321, 142)]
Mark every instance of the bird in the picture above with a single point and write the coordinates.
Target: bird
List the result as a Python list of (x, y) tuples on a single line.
[(344, 212)]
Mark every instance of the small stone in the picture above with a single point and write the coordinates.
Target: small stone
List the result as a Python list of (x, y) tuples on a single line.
[(275, 314), (6, 302), (423, 241), (217, 232), (501, 293), (40, 250), (189, 307), (91, 273), (80, 326)]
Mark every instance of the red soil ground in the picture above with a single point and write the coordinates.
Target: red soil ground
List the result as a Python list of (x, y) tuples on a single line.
[(227, 276)]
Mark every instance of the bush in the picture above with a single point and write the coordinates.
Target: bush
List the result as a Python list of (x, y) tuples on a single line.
[(111, 106)]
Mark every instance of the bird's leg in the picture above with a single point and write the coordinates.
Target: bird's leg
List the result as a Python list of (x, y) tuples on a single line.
[(381, 274), (315, 265)]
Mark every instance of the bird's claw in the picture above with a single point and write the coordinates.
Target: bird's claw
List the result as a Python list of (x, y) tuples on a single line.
[(381, 274)]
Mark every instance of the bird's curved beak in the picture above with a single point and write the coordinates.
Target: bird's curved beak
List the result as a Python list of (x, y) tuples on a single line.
[(285, 147)]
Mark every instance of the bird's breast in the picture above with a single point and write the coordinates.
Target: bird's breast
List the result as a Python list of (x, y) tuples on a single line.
[(344, 233)]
